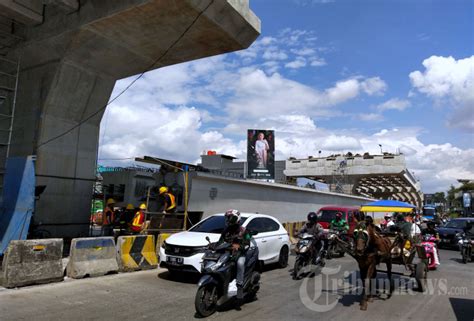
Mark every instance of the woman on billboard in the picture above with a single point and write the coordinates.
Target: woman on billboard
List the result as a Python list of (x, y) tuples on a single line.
[(261, 148)]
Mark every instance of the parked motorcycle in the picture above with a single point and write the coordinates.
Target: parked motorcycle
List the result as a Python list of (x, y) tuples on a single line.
[(218, 284), (305, 255), (429, 243), (465, 246)]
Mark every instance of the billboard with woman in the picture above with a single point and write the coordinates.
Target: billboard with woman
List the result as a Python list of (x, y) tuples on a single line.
[(261, 154)]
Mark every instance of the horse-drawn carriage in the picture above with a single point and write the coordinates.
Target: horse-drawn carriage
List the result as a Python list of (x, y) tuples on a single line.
[(411, 254), (373, 247)]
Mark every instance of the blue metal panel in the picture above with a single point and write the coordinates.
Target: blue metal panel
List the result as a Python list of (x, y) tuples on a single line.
[(18, 200)]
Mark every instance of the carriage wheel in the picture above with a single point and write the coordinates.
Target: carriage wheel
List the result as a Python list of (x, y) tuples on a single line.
[(421, 273)]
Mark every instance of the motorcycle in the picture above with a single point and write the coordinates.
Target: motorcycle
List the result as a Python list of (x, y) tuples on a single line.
[(465, 246), (429, 243), (218, 284), (335, 248), (305, 255)]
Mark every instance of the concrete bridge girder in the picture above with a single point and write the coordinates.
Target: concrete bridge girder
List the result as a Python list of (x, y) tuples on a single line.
[(69, 65)]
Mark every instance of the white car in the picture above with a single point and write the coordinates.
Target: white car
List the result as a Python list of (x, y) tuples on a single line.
[(183, 251)]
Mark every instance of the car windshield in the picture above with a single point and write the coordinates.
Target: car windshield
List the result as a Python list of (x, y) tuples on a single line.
[(327, 215), (428, 211), (456, 224), (213, 224)]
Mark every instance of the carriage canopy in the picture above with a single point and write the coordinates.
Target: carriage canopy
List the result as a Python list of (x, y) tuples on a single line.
[(387, 206)]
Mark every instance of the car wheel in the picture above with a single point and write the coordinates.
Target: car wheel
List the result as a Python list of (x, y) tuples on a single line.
[(283, 258)]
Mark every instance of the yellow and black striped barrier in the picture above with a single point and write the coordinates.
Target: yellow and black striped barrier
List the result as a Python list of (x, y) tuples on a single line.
[(137, 252), (161, 238), (293, 228)]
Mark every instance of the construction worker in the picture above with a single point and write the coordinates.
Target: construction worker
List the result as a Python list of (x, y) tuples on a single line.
[(138, 222), (124, 217), (166, 201), (108, 218), (129, 214)]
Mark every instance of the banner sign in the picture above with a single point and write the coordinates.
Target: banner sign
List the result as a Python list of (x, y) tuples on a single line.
[(261, 154), (466, 198)]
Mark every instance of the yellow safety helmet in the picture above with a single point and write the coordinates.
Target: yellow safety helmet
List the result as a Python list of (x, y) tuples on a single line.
[(130, 207), (143, 206), (110, 201), (163, 189)]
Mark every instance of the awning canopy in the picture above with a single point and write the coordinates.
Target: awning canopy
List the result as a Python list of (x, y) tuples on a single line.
[(387, 206)]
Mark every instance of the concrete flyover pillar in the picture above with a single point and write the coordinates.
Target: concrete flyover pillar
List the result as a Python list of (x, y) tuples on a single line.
[(52, 99), (69, 64)]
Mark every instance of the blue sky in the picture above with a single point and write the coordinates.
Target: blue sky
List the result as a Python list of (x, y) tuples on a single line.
[(335, 76), (387, 38)]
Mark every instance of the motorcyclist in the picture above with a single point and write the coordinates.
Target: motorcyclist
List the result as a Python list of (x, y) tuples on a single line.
[(469, 229), (387, 222), (315, 229), (430, 230), (339, 224), (235, 234)]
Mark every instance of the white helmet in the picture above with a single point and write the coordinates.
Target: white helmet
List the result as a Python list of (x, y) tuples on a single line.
[(232, 217)]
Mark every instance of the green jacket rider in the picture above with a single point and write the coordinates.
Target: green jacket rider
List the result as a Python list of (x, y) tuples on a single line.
[(339, 224)]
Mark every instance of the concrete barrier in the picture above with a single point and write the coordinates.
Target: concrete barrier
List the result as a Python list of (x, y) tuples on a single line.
[(136, 252), (161, 238), (292, 228), (92, 256), (29, 262)]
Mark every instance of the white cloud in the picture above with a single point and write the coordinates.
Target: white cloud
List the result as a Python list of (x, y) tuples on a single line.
[(257, 94), (158, 131), (374, 86), (304, 51), (299, 62), (395, 104), (370, 117), (343, 91), (340, 143), (318, 62), (273, 53), (446, 78), (290, 48)]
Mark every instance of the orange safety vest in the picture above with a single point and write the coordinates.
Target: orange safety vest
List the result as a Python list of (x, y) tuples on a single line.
[(105, 217), (173, 202), (137, 223)]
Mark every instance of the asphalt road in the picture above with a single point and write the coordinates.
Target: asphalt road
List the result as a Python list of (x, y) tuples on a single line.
[(152, 295)]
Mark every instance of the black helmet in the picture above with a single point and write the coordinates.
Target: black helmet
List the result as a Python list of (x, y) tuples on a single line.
[(400, 217), (369, 219), (312, 217)]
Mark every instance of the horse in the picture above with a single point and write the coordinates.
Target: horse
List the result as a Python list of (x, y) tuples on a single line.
[(371, 248)]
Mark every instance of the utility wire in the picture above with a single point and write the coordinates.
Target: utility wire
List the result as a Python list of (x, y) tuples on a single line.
[(131, 83)]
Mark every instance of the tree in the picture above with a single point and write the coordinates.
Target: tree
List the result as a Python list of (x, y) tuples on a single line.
[(466, 186), (439, 197), (451, 198)]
